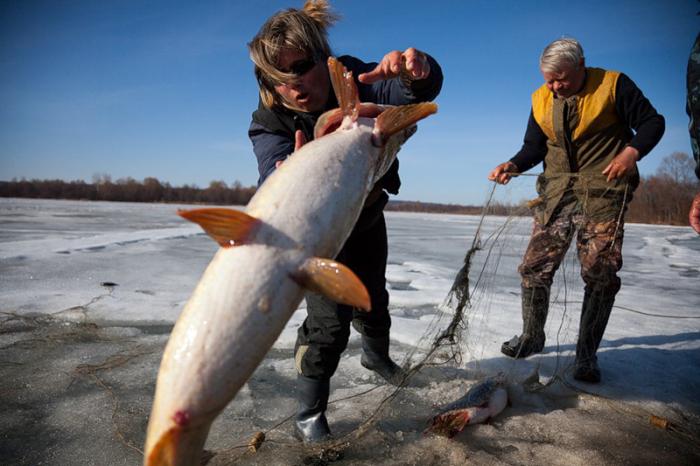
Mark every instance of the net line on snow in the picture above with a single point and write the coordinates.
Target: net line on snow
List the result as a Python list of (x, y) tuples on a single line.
[(447, 330), (459, 301)]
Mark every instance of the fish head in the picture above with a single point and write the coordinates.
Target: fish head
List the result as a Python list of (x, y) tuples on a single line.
[(177, 444), (392, 125)]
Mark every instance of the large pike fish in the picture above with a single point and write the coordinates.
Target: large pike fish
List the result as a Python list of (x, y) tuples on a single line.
[(270, 255)]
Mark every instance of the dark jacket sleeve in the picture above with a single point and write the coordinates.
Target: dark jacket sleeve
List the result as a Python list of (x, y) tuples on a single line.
[(534, 146), (269, 148), (693, 101), (393, 91), (639, 114)]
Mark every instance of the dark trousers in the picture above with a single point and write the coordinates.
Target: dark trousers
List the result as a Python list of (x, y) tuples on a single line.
[(325, 332)]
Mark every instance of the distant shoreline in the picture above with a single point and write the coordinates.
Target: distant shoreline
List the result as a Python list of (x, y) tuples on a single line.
[(660, 200)]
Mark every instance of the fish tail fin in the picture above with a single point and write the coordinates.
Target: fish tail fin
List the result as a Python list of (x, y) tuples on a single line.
[(394, 119), (228, 227), (345, 89), (450, 423), (334, 280)]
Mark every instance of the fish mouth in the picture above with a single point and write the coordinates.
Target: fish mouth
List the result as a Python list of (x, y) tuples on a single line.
[(177, 446)]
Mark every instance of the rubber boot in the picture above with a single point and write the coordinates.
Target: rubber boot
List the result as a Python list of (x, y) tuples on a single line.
[(535, 308), (595, 312), (310, 424), (375, 357)]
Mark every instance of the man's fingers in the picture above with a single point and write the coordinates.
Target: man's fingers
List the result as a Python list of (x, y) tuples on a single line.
[(416, 63), (694, 214), (299, 139), (377, 74), (389, 67)]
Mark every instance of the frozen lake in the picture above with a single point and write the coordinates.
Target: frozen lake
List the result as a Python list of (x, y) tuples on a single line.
[(89, 292)]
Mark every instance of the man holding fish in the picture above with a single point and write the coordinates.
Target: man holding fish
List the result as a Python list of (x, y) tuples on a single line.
[(290, 53)]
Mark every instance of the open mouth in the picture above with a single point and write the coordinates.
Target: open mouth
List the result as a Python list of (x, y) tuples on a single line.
[(303, 97)]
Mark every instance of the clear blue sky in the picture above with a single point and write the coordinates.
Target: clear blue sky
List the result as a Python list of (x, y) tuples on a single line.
[(165, 88)]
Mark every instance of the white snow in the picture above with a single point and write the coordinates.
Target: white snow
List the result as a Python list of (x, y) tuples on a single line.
[(57, 258)]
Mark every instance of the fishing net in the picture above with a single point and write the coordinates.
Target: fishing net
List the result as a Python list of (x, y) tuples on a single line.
[(372, 423), (452, 346)]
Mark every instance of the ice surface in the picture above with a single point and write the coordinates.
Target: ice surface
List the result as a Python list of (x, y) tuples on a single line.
[(89, 292)]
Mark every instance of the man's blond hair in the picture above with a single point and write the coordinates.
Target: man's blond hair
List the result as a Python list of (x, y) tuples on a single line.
[(304, 30)]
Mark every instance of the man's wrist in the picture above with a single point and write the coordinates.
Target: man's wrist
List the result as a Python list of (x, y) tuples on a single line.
[(634, 152)]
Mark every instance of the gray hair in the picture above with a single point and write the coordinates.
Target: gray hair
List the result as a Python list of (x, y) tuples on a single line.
[(561, 54)]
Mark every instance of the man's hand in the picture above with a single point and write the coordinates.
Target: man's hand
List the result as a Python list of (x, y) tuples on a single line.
[(299, 140), (622, 164), (413, 62), (694, 214), (503, 173)]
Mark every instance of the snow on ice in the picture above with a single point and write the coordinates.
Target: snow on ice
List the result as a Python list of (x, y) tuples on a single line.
[(89, 291)]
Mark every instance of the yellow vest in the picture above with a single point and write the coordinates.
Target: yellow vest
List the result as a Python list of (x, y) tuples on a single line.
[(597, 135), (596, 104)]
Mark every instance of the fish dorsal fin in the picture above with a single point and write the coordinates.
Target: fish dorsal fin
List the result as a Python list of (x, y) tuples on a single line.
[(394, 119), (345, 89), (228, 227), (333, 280)]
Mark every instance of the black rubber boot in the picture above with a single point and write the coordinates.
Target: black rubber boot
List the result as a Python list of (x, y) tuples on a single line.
[(595, 312), (310, 425), (535, 308), (375, 357)]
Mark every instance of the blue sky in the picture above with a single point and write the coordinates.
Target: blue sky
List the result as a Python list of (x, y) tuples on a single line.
[(165, 88)]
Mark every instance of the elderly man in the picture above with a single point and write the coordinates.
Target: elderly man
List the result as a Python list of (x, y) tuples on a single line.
[(589, 127)]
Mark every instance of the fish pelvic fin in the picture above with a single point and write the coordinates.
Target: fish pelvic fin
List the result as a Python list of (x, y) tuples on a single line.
[(333, 280), (394, 119), (345, 90), (228, 227)]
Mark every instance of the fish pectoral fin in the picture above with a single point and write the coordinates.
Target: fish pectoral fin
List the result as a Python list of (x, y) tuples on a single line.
[(333, 280), (345, 89), (228, 227), (394, 119)]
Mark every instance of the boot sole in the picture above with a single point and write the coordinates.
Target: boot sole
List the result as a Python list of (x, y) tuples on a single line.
[(519, 352)]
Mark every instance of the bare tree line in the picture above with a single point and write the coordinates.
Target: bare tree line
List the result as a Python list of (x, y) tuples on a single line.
[(665, 197), (662, 198), (128, 190)]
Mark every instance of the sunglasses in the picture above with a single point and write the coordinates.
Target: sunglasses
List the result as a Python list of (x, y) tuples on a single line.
[(301, 67)]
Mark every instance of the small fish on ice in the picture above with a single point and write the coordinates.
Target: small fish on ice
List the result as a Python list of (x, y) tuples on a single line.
[(483, 401)]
